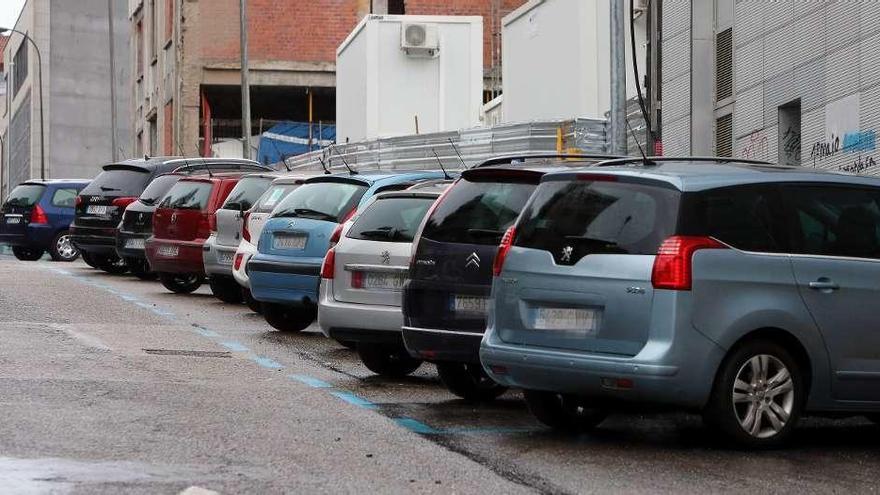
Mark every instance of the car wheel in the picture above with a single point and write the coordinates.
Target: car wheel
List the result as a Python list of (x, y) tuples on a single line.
[(253, 304), (140, 268), (348, 344), (758, 395), (564, 412), (469, 381), (287, 318), (181, 283), (111, 264), (27, 254), (89, 259), (387, 360), (226, 289), (62, 249), (874, 418)]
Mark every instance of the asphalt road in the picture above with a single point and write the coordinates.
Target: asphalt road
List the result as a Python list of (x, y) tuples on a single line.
[(109, 384)]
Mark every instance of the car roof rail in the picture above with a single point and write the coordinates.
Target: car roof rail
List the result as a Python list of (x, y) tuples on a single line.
[(652, 160), (206, 166), (507, 159)]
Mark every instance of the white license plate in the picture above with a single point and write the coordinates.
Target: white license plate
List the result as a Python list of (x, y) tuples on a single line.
[(469, 305), (168, 251), (134, 244), (13, 220), (572, 319), (286, 241), (388, 281), (97, 209), (225, 258)]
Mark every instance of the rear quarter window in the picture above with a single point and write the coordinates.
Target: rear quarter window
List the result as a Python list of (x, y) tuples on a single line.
[(186, 195), (246, 192), (118, 182), (573, 219), (64, 198), (391, 220)]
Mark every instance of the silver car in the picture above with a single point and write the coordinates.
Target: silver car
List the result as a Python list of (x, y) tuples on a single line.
[(743, 291), (363, 275)]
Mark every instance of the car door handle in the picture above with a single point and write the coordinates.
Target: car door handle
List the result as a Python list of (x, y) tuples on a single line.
[(824, 285)]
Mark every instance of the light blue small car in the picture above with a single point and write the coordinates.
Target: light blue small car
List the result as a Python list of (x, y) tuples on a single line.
[(744, 291)]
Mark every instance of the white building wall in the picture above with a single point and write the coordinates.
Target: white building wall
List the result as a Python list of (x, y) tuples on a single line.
[(675, 80)]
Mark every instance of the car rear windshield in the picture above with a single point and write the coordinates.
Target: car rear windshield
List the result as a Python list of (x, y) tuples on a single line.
[(188, 195), (572, 219), (158, 188), (270, 199), (25, 195), (118, 182), (330, 201), (246, 193), (391, 220), (477, 211)]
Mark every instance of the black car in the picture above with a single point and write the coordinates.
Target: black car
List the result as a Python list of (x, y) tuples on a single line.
[(450, 276), (100, 205)]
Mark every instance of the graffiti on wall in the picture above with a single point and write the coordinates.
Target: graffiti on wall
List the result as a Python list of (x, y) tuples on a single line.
[(844, 136), (755, 147)]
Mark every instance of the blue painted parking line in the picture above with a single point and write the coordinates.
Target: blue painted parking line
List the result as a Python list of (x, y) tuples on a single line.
[(267, 362), (353, 399), (311, 381), (416, 426), (204, 332), (235, 346)]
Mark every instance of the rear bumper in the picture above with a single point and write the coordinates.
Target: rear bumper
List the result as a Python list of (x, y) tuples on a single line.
[(188, 259), (212, 255), (357, 322), (286, 282), (435, 345), (96, 240), (247, 251), (128, 252), (34, 236)]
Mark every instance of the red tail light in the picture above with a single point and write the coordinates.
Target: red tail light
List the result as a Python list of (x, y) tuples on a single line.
[(357, 280), (503, 248), (238, 258), (328, 268), (673, 268), (336, 235), (121, 203), (38, 215), (78, 201), (245, 231)]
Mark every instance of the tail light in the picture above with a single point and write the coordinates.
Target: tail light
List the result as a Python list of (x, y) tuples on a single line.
[(38, 215), (245, 231), (336, 235), (122, 202), (503, 248), (78, 201), (237, 263), (673, 267), (357, 280), (328, 268)]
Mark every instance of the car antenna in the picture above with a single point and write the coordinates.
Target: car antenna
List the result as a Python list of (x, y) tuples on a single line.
[(283, 156), (182, 155), (645, 160), (440, 162), (205, 163), (350, 171), (454, 147)]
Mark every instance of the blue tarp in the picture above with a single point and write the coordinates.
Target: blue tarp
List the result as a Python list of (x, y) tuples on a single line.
[(292, 138)]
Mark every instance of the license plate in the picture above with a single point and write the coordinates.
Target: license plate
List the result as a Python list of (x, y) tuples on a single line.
[(13, 220), (289, 241), (168, 251), (225, 258), (388, 281), (96, 209), (571, 319), (469, 305), (134, 244)]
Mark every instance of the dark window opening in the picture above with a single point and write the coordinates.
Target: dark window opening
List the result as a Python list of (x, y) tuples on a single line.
[(790, 133), (396, 7)]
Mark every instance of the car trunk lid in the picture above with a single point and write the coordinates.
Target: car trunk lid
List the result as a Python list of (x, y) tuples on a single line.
[(17, 209)]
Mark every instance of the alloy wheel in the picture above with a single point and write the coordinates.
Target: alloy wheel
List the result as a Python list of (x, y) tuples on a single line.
[(65, 248), (763, 396)]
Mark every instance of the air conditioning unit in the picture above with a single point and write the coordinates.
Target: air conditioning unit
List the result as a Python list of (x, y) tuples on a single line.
[(419, 39)]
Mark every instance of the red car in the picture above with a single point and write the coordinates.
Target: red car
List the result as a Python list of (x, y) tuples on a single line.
[(181, 224)]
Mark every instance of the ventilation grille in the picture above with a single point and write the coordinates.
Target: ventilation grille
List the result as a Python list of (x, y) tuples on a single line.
[(724, 65), (724, 135)]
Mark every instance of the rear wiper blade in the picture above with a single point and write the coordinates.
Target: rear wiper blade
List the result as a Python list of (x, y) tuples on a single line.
[(105, 188), (309, 211), (604, 243), (389, 232)]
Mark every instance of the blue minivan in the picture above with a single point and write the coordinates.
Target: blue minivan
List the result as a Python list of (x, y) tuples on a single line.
[(36, 216), (285, 272)]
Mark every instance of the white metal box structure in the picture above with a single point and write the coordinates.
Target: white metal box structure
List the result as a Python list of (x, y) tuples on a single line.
[(393, 71), (556, 59)]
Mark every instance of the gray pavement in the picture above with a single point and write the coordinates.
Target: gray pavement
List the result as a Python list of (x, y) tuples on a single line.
[(109, 384)]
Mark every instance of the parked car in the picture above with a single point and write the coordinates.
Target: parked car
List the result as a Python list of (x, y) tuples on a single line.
[(362, 278), (181, 223), (741, 290), (252, 227), (220, 247), (444, 300), (284, 274), (36, 218)]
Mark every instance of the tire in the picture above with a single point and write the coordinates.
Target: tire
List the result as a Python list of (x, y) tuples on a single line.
[(387, 360), (27, 254), (348, 344), (253, 304), (140, 268), (469, 381), (562, 412), (181, 283), (743, 387), (874, 418), (89, 259), (62, 249), (111, 264), (287, 318), (226, 289)]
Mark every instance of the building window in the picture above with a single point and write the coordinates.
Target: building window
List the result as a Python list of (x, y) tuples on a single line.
[(396, 7), (19, 67), (168, 129), (139, 46), (724, 65), (154, 136), (724, 135), (154, 48), (790, 133)]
